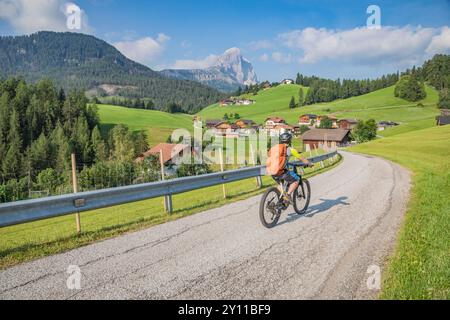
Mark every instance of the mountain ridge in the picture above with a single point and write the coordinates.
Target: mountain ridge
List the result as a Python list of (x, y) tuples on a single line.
[(84, 62), (228, 72)]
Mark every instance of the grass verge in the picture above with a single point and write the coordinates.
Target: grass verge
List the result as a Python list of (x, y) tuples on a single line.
[(420, 266)]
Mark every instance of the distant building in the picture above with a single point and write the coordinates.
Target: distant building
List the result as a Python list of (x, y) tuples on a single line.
[(443, 120), (266, 85), (236, 102), (307, 120), (277, 125), (347, 124), (319, 138), (227, 129), (246, 124), (383, 125), (273, 121), (211, 124), (287, 81), (226, 102), (332, 118), (170, 152)]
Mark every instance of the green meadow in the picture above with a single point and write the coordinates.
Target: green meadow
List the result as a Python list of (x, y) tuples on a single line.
[(379, 105), (420, 267), (158, 125)]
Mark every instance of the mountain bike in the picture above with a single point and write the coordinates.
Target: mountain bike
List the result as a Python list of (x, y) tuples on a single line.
[(273, 202)]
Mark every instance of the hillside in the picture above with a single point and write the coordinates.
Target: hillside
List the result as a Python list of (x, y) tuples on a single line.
[(78, 61), (157, 124), (380, 105)]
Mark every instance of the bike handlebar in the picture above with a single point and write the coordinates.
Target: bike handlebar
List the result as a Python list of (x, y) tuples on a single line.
[(298, 164)]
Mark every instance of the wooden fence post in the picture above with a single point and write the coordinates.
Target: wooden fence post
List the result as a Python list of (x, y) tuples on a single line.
[(222, 169), (167, 199), (75, 189), (254, 162)]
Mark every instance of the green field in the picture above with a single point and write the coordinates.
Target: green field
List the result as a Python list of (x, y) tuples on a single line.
[(420, 267), (158, 125), (379, 105)]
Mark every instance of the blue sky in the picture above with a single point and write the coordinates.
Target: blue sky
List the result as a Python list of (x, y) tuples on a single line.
[(280, 37)]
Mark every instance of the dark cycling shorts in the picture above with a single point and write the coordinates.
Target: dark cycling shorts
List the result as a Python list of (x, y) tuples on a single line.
[(290, 177)]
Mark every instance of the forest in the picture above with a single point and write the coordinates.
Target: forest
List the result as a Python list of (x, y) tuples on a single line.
[(41, 126), (85, 63)]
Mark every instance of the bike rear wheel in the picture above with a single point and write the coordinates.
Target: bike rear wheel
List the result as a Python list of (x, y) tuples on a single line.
[(269, 213), (302, 197)]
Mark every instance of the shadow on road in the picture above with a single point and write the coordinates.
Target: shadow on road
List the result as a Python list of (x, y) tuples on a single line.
[(321, 207)]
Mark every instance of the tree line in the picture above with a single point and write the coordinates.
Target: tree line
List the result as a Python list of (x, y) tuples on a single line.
[(40, 126), (326, 90)]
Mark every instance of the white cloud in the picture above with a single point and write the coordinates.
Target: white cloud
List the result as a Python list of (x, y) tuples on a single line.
[(185, 44), (441, 42), (264, 58), (209, 61), (27, 16), (260, 44), (281, 58), (145, 50), (360, 44), (162, 38)]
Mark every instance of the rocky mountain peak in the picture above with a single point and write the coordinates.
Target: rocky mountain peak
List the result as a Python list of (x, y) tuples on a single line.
[(230, 71)]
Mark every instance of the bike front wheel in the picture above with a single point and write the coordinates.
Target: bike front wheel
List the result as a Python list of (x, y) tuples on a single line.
[(269, 213), (302, 197)]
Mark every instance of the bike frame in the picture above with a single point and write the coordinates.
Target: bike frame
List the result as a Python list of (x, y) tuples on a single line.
[(283, 186)]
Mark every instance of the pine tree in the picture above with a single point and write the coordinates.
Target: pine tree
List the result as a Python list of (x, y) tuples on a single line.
[(141, 144), (39, 155), (444, 98), (99, 146), (292, 104), (60, 149), (122, 144), (300, 97), (11, 165), (82, 139)]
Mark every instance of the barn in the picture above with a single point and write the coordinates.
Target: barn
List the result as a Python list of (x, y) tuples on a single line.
[(319, 138)]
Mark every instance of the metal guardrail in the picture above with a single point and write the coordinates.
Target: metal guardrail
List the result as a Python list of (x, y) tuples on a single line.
[(38, 209)]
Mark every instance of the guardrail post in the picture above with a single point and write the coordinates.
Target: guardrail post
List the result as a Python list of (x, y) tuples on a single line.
[(75, 189), (167, 199)]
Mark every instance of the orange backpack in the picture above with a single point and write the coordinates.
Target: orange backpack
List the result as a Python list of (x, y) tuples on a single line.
[(277, 160)]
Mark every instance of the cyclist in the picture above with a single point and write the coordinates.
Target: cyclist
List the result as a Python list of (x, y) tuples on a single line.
[(288, 174)]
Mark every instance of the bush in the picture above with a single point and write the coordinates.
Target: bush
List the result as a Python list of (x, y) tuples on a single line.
[(410, 89), (48, 179), (326, 123), (365, 131), (303, 129), (444, 99)]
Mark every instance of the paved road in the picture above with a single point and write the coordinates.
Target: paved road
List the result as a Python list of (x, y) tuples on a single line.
[(225, 253)]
